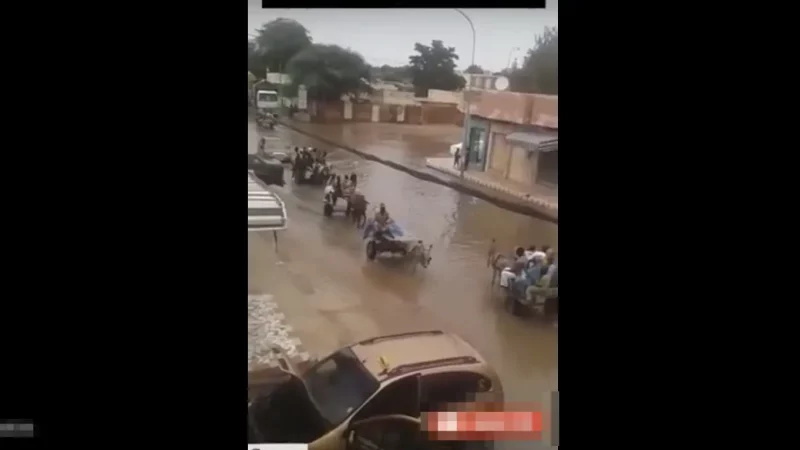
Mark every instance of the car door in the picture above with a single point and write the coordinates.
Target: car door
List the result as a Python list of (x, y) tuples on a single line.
[(394, 432), (401, 396)]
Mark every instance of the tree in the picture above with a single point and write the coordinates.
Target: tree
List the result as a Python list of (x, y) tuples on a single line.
[(255, 61), (280, 40), (390, 73), (539, 72), (434, 68), (474, 69), (329, 71)]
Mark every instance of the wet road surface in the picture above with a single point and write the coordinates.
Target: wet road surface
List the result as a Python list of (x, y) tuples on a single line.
[(323, 261), (405, 144), (406, 148)]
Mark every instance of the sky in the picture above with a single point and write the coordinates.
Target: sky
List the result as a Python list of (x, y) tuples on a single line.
[(387, 36)]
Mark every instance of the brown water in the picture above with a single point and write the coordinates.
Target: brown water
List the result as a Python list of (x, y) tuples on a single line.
[(455, 290)]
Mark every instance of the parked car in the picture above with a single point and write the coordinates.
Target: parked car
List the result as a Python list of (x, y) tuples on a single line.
[(268, 170), (369, 395)]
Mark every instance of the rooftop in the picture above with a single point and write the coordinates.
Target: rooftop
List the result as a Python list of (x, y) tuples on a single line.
[(412, 349)]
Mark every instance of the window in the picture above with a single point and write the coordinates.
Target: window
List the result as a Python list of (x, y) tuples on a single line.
[(339, 385), (455, 387), (400, 397), (267, 97)]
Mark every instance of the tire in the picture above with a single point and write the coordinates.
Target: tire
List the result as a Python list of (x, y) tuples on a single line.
[(327, 210), (371, 250)]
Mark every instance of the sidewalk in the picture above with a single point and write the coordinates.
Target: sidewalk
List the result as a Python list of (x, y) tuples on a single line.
[(542, 197)]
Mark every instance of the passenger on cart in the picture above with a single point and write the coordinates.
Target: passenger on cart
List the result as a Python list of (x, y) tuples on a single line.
[(382, 222)]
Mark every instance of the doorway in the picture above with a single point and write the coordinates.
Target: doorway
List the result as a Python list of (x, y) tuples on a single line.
[(477, 148)]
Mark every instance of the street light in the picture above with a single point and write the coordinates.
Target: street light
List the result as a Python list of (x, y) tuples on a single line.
[(464, 142), (508, 64)]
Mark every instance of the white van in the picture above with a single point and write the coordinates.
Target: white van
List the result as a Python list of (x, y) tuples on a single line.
[(267, 100)]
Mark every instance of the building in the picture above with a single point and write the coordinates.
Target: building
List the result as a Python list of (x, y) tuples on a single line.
[(515, 136), (480, 81)]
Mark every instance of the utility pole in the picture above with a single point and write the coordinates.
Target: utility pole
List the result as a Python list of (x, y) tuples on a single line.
[(508, 65), (465, 152)]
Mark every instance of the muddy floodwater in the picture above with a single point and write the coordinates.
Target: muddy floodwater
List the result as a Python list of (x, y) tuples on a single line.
[(455, 290)]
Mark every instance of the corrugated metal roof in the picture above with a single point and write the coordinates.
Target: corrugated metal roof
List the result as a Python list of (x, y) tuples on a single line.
[(543, 142), (265, 210)]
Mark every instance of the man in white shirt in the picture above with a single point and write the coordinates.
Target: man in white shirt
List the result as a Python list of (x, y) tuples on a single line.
[(532, 253)]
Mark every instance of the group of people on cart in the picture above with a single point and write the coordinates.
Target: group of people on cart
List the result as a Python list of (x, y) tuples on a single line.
[(309, 160), (533, 273), (309, 155), (338, 189)]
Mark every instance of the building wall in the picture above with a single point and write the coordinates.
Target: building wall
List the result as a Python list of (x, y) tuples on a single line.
[(424, 114), (544, 111), (511, 161), (499, 155), (439, 96), (523, 166), (480, 81), (437, 113), (517, 108)]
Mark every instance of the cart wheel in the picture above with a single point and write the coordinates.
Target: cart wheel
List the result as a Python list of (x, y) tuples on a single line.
[(371, 250), (327, 210)]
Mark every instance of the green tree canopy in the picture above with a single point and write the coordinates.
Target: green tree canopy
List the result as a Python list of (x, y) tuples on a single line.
[(539, 72), (255, 61), (280, 40), (329, 71), (433, 67)]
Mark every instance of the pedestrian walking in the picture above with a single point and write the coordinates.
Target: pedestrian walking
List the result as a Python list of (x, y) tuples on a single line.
[(456, 157)]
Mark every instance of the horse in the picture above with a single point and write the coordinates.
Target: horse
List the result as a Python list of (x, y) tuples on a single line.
[(357, 208), (497, 261)]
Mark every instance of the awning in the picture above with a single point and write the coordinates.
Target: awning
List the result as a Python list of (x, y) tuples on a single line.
[(543, 142), (265, 210)]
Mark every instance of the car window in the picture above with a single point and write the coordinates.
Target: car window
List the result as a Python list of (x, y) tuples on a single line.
[(339, 385), (388, 434), (399, 397), (452, 387)]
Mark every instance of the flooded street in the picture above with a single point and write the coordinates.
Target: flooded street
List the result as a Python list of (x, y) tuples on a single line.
[(325, 261)]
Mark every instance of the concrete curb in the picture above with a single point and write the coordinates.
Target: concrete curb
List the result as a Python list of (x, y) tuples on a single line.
[(526, 207), (488, 184)]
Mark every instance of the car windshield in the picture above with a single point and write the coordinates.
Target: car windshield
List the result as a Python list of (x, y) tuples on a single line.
[(264, 97), (339, 385)]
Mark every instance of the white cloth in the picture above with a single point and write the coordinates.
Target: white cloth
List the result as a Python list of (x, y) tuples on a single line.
[(536, 254), (328, 189), (506, 277)]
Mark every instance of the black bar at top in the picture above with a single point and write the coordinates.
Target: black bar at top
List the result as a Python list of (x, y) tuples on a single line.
[(534, 4)]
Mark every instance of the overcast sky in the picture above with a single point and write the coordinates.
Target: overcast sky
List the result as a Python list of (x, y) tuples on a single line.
[(387, 36)]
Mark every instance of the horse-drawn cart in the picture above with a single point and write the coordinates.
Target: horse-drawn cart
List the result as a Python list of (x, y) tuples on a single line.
[(352, 206), (306, 171), (397, 244), (541, 298)]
